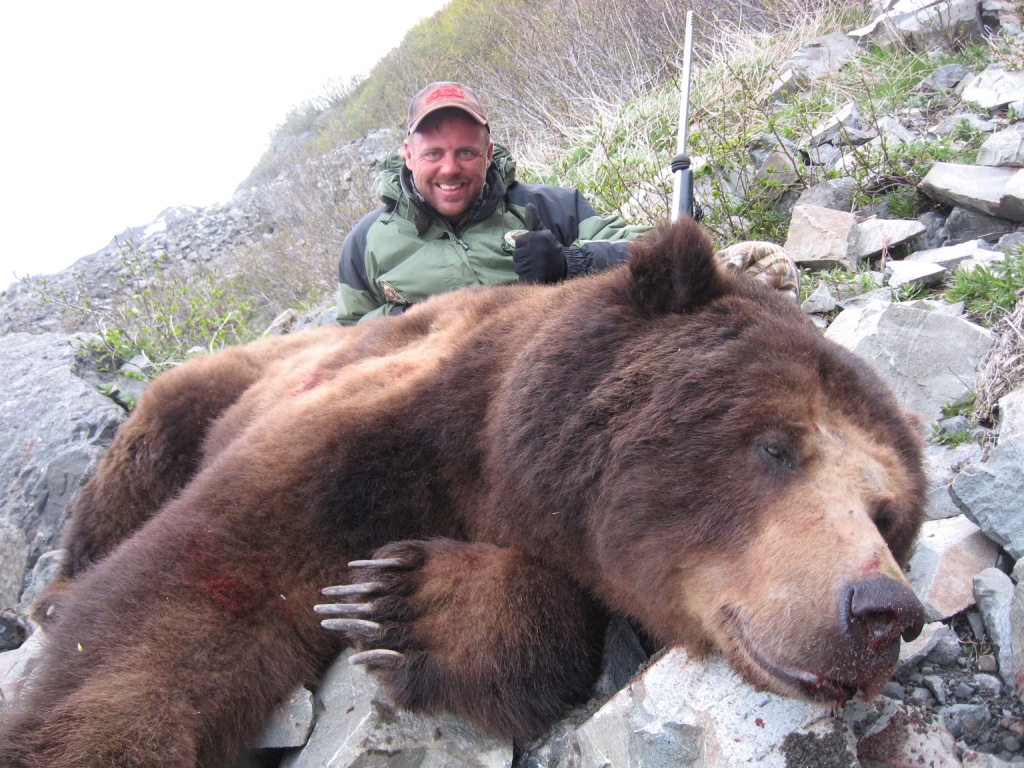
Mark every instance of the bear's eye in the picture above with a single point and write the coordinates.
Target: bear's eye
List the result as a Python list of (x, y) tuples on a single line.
[(885, 519), (778, 453)]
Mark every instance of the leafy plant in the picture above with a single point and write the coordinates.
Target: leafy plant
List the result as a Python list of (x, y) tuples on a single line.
[(156, 310), (963, 406), (990, 292), (950, 438), (910, 291), (840, 281)]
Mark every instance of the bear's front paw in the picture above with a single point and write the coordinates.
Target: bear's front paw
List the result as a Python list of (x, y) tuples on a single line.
[(483, 631), (378, 616)]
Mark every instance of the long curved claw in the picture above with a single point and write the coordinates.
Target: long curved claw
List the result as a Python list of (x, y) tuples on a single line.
[(354, 610), (353, 590), (378, 658), (390, 562), (354, 626)]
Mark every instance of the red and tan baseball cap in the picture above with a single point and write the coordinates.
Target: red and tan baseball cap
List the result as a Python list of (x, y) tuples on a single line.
[(441, 96)]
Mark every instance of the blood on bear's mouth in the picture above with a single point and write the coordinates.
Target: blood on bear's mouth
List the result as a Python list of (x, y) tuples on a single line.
[(820, 688)]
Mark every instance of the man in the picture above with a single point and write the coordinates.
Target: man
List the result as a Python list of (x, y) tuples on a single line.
[(454, 216)]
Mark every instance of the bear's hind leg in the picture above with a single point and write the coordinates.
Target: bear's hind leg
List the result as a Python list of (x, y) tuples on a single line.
[(482, 631), (155, 453), (170, 652)]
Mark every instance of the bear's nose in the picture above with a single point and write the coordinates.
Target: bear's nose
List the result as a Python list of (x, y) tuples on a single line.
[(881, 610)]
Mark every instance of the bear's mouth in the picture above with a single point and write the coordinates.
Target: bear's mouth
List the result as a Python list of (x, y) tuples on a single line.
[(819, 688)]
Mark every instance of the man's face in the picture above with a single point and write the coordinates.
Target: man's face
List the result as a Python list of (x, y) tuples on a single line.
[(449, 161)]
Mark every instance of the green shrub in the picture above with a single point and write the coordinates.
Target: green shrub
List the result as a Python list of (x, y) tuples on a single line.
[(990, 292), (155, 309)]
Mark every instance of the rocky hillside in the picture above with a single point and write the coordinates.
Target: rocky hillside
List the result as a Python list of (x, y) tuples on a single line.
[(877, 282)]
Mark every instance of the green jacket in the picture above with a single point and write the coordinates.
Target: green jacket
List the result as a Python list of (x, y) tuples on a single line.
[(405, 252)]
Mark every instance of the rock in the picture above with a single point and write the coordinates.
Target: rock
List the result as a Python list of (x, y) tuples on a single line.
[(820, 302), (929, 358), (988, 683), (947, 650), (683, 712), (969, 121), (972, 759), (16, 666), (987, 663), (934, 225), (900, 737), (912, 653), (945, 127), (1017, 638), (43, 572), (950, 256), (844, 126), (913, 273), (53, 429), (1004, 148), (880, 296), (935, 684), (558, 749), (835, 194), (964, 224), (290, 724), (945, 78), (13, 559), (1011, 240), (891, 132), (965, 719), (777, 172), (947, 556), (993, 592), (988, 190), (12, 630), (826, 156), (816, 57), (356, 727), (876, 236), (991, 493), (995, 87), (822, 239), (923, 25)]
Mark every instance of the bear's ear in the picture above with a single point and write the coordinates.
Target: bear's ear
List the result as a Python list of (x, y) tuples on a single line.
[(673, 269)]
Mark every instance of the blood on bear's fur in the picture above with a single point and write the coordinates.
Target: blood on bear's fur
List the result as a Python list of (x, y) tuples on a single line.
[(663, 441)]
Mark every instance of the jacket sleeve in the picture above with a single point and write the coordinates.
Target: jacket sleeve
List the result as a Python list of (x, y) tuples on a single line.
[(601, 242), (356, 296), (592, 242)]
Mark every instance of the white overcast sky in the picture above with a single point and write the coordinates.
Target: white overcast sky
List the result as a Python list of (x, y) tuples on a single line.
[(113, 111)]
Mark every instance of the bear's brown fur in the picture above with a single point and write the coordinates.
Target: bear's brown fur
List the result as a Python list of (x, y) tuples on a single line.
[(664, 441)]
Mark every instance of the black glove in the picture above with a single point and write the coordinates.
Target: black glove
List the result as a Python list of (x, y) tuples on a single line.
[(539, 257)]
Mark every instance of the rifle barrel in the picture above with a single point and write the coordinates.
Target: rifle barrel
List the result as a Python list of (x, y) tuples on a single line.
[(682, 182)]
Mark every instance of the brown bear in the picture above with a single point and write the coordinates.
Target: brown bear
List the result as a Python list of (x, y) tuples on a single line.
[(665, 441)]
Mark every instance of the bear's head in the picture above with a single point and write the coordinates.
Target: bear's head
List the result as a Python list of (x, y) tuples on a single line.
[(767, 485)]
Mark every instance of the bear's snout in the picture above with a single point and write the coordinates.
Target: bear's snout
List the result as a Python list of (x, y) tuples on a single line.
[(880, 611)]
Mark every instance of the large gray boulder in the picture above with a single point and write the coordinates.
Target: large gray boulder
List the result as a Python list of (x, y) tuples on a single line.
[(357, 728), (929, 358), (995, 191), (684, 712), (53, 429), (923, 25), (991, 493), (995, 87)]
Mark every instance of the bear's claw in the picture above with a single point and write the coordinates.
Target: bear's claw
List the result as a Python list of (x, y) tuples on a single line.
[(352, 610), (353, 590), (389, 562), (379, 658), (353, 626)]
